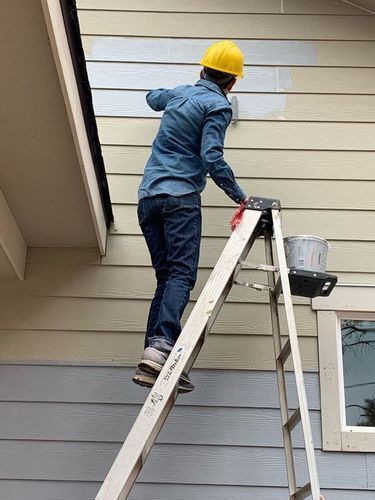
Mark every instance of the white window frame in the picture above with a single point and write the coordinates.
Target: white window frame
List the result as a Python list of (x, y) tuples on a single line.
[(345, 302)]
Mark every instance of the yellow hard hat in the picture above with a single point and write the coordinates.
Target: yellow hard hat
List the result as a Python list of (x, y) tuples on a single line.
[(224, 56)]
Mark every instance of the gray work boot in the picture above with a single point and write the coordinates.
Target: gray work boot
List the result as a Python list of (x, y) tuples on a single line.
[(153, 361), (148, 380)]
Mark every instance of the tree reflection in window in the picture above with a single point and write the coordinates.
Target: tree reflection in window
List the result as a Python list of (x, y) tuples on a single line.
[(358, 351)]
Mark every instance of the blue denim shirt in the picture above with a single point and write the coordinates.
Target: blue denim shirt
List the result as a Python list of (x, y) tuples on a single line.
[(189, 143)]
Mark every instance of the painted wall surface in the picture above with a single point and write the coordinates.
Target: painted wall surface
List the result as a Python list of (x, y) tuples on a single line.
[(72, 331), (62, 426)]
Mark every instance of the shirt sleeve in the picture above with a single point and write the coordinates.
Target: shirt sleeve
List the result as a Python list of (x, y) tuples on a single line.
[(158, 99), (213, 134)]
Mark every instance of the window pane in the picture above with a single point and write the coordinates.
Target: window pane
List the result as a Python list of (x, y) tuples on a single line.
[(358, 350)]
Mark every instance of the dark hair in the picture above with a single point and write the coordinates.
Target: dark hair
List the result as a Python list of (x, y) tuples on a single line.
[(219, 77)]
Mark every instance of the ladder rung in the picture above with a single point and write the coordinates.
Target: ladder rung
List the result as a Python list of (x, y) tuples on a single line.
[(257, 286), (293, 420), (285, 352), (258, 267), (303, 492)]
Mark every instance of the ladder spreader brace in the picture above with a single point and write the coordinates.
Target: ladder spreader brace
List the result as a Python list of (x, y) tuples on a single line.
[(261, 218)]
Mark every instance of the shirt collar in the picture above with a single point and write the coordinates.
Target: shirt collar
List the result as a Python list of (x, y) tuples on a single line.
[(212, 86)]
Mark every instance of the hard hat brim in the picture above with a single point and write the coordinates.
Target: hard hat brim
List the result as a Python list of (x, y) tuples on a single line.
[(211, 66)]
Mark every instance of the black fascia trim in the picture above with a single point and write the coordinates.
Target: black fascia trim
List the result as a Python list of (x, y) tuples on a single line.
[(71, 21)]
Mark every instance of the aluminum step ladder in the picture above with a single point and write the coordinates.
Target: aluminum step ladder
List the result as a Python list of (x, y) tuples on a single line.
[(261, 218)]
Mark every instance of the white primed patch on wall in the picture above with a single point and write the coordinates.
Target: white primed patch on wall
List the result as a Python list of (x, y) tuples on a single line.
[(174, 50), (133, 104), (115, 75)]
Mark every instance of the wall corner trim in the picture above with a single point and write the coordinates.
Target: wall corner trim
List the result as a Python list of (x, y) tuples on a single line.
[(11, 239)]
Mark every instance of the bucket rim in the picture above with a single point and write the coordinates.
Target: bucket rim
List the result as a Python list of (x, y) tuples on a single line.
[(305, 236)]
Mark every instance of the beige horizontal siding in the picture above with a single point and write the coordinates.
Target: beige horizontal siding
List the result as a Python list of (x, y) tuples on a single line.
[(127, 251), (124, 315), (293, 193), (55, 280), (344, 256), (260, 106), (247, 135), (240, 352), (241, 6), (330, 224), (207, 25), (134, 283), (262, 163), (77, 307)]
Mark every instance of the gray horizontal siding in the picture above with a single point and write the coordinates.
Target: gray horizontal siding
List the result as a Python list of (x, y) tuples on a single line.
[(227, 431), (112, 423), (59, 490), (177, 463), (211, 492), (95, 384)]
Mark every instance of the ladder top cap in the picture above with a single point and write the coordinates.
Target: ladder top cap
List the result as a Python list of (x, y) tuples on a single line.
[(260, 203)]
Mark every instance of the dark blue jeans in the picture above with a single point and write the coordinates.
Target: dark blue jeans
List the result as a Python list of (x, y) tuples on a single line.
[(171, 226)]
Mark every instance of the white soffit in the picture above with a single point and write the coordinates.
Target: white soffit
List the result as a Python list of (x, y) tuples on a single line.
[(41, 174), (64, 64)]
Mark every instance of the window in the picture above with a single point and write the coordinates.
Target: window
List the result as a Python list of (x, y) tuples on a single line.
[(358, 354), (346, 337)]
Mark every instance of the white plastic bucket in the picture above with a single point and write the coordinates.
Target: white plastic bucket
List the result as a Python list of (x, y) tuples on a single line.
[(306, 252)]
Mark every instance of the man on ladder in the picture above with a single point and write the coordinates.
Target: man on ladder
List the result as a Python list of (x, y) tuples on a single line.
[(188, 146)]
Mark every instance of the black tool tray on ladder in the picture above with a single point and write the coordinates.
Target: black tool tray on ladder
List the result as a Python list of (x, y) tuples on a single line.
[(311, 284)]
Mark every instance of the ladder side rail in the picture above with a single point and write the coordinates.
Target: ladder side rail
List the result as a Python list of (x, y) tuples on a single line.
[(296, 357), (134, 451), (276, 333)]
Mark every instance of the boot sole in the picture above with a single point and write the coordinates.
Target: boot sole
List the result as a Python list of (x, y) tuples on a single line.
[(146, 381), (150, 367), (139, 380), (154, 368)]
